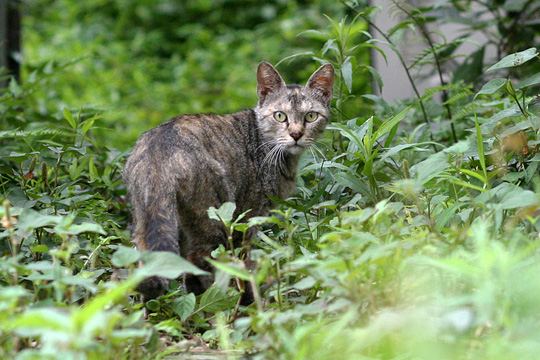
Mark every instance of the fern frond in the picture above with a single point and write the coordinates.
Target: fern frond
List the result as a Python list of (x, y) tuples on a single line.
[(14, 134)]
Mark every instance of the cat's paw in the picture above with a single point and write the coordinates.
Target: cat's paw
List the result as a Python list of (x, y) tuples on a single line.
[(197, 284), (153, 287), (247, 298)]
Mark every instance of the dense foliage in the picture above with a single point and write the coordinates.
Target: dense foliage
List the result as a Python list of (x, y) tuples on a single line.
[(414, 231), (144, 61)]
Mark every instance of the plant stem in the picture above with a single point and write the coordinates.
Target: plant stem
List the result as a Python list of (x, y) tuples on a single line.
[(407, 72), (426, 35), (256, 294)]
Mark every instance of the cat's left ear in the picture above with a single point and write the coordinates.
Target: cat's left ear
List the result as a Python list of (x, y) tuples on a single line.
[(322, 82), (268, 80)]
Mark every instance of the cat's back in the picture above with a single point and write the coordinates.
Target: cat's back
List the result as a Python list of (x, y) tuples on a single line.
[(196, 127), (195, 136)]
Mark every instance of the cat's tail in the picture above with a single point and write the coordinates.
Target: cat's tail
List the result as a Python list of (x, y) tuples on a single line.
[(156, 224), (155, 220)]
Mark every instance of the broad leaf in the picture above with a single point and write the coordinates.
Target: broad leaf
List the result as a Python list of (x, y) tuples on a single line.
[(224, 213), (346, 73), (515, 59), (85, 227), (125, 256), (235, 269), (390, 123), (168, 265), (69, 118), (491, 87), (429, 168), (40, 322), (184, 306), (530, 81), (31, 219), (214, 299)]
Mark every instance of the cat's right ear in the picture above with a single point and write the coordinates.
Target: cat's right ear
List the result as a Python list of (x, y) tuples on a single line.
[(268, 80)]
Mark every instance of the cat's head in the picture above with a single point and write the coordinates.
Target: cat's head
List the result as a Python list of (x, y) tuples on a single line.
[(293, 116)]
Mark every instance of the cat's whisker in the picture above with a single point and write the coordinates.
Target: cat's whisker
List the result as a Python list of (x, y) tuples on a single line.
[(274, 158), (312, 143), (269, 156), (313, 153), (316, 148), (282, 161), (277, 158), (273, 141)]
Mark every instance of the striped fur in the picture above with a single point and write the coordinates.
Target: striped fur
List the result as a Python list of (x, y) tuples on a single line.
[(178, 170)]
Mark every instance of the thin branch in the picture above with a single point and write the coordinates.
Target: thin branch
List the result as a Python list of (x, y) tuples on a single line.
[(402, 61), (511, 30), (426, 35), (411, 80)]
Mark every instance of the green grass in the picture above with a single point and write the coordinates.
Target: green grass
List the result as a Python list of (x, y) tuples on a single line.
[(399, 243)]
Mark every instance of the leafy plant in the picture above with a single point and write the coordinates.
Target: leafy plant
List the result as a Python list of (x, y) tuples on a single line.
[(413, 233)]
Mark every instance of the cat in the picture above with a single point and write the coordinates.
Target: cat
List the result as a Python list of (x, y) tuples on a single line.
[(181, 168)]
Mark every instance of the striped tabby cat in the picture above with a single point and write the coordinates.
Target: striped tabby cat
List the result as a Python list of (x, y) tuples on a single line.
[(178, 170)]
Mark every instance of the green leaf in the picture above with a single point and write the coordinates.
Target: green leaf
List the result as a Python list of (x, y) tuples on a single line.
[(87, 124), (398, 148), (124, 256), (184, 306), (39, 248), (510, 88), (306, 283), (354, 137), (375, 76), (530, 81), (325, 165), (480, 148), (235, 269), (473, 174), (69, 118), (313, 34), (518, 198), (39, 322), (92, 169), (346, 73), (491, 87), (260, 220), (534, 106), (13, 292), (152, 305), (166, 264), (224, 213), (214, 299), (429, 168), (14, 87), (390, 123), (99, 303), (85, 227), (170, 326), (31, 219), (515, 59)]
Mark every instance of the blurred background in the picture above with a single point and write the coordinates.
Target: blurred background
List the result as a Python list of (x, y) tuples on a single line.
[(143, 61), (413, 233), (140, 62)]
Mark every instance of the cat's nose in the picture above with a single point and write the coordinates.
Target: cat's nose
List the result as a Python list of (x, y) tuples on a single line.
[(296, 135)]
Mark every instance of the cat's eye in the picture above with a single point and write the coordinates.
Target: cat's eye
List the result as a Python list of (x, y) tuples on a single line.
[(280, 116), (311, 116)]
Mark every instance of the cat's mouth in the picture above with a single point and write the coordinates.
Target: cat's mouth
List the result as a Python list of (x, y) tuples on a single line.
[(296, 148)]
